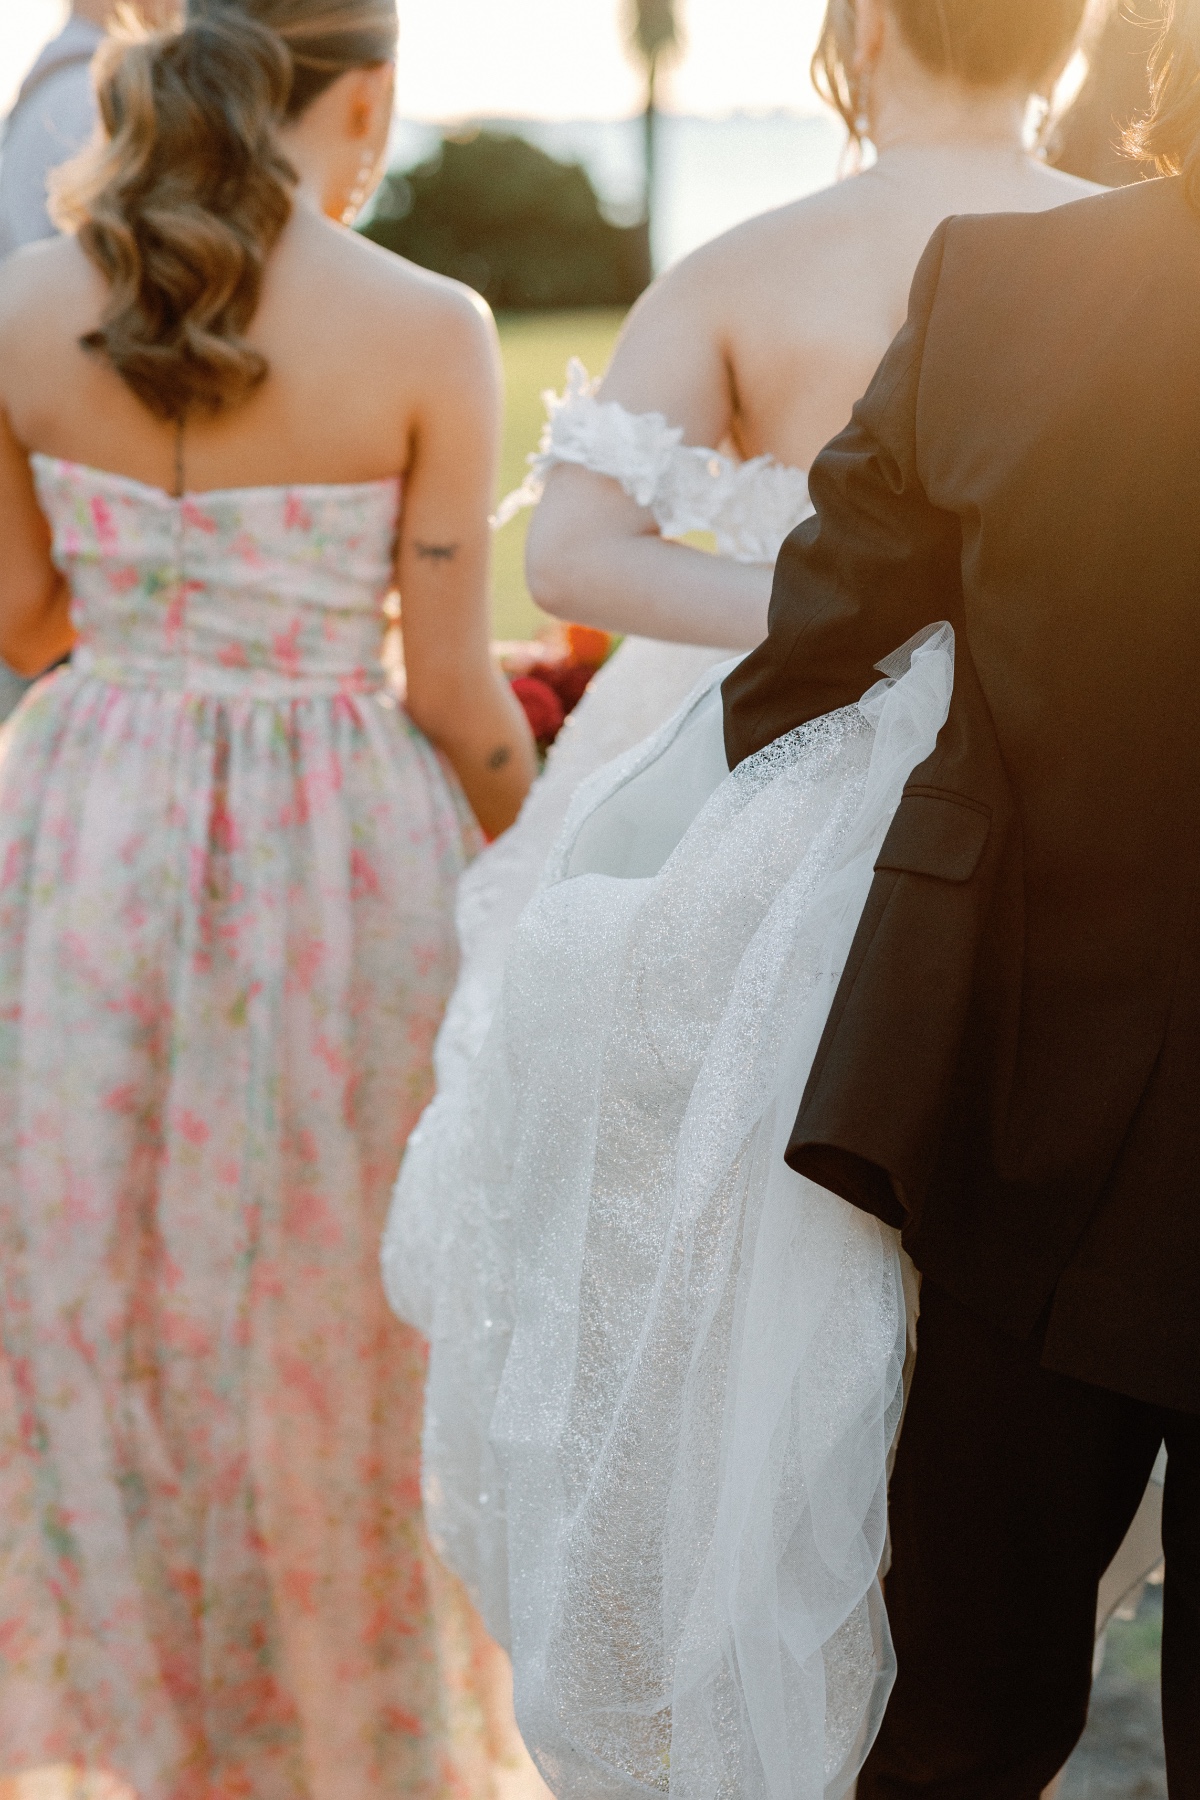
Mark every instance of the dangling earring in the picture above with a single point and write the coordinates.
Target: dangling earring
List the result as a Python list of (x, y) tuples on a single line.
[(361, 188)]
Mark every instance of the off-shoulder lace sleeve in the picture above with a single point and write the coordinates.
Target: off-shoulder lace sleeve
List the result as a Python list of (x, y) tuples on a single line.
[(749, 507)]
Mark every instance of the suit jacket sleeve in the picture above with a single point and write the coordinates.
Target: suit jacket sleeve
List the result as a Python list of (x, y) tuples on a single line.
[(876, 563)]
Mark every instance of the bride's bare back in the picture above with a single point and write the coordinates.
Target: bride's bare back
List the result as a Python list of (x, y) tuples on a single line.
[(764, 338), (768, 335)]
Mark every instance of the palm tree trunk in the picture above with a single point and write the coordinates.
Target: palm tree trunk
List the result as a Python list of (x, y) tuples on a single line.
[(650, 133)]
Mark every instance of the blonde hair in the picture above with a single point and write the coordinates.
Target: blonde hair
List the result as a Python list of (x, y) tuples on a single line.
[(1169, 135), (182, 202), (982, 43)]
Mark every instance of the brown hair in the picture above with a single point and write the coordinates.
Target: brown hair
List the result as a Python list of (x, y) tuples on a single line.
[(1169, 135), (983, 43), (182, 202)]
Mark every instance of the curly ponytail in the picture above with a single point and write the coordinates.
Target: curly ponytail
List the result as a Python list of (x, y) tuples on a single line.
[(184, 200)]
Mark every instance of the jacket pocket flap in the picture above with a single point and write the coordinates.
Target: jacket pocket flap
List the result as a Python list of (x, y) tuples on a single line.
[(936, 834)]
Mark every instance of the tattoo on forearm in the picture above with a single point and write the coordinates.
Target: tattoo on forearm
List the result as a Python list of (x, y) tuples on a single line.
[(438, 553), (499, 757)]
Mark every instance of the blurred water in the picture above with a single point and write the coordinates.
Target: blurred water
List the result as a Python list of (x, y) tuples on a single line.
[(712, 173)]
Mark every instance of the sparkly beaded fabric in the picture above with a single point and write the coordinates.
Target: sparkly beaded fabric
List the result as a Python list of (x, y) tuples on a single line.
[(750, 508), (666, 1371), (226, 940)]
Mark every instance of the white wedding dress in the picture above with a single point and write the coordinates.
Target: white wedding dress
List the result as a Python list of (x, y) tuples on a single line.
[(666, 1373), (748, 508)]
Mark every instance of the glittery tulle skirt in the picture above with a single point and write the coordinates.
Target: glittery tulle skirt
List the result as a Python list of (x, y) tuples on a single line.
[(666, 1371)]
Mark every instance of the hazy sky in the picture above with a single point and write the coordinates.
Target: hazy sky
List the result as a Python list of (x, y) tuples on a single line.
[(547, 58)]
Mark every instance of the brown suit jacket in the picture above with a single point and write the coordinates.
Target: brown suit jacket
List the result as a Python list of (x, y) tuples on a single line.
[(1011, 1070)]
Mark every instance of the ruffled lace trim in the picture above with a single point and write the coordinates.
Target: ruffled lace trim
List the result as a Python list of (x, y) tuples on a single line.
[(750, 507)]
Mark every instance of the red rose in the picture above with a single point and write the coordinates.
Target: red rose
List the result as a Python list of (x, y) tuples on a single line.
[(571, 684), (566, 678), (543, 708)]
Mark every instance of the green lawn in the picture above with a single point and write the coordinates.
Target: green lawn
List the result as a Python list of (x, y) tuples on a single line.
[(536, 348)]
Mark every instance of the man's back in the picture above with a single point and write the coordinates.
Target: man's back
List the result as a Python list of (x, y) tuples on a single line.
[(1059, 422), (1027, 464), (1009, 1067)]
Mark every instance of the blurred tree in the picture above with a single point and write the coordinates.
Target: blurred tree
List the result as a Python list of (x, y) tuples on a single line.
[(1087, 140), (523, 229), (655, 35)]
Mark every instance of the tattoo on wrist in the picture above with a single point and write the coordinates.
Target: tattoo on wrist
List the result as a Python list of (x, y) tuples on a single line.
[(499, 757), (438, 553)]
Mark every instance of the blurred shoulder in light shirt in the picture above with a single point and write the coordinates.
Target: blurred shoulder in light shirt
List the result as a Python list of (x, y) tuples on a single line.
[(52, 118)]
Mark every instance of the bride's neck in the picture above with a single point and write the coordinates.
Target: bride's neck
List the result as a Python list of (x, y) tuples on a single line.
[(945, 117)]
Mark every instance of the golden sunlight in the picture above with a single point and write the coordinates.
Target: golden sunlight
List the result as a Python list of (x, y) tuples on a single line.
[(560, 59)]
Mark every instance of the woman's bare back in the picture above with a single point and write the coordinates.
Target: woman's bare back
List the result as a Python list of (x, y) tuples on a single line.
[(357, 343), (375, 370), (769, 334), (762, 341)]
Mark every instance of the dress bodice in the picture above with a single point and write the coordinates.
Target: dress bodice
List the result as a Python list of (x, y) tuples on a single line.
[(270, 592)]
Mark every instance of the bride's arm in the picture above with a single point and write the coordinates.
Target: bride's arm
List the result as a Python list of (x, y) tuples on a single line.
[(593, 554)]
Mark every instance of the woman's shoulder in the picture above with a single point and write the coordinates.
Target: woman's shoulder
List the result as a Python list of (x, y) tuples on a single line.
[(50, 294), (52, 274), (382, 297), (791, 257), (797, 230), (767, 294), (428, 295)]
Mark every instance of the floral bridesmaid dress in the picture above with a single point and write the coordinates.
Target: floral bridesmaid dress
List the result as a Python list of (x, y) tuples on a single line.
[(227, 868)]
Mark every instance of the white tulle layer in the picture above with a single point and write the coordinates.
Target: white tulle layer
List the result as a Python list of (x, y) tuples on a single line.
[(666, 1372), (640, 686)]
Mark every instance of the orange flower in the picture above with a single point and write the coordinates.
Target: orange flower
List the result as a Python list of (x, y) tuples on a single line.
[(587, 645)]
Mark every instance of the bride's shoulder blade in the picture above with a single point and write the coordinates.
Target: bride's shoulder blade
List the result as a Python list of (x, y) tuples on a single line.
[(787, 246)]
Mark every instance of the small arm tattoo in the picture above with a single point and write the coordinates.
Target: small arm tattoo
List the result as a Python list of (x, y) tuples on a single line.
[(499, 757), (440, 553)]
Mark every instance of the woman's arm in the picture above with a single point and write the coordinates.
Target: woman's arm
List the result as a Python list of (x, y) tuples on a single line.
[(593, 554), (35, 623), (456, 694)]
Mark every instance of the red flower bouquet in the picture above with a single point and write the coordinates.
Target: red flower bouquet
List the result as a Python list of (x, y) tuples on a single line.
[(551, 675), (543, 708)]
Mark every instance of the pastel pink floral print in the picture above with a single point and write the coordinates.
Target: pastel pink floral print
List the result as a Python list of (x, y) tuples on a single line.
[(227, 870)]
